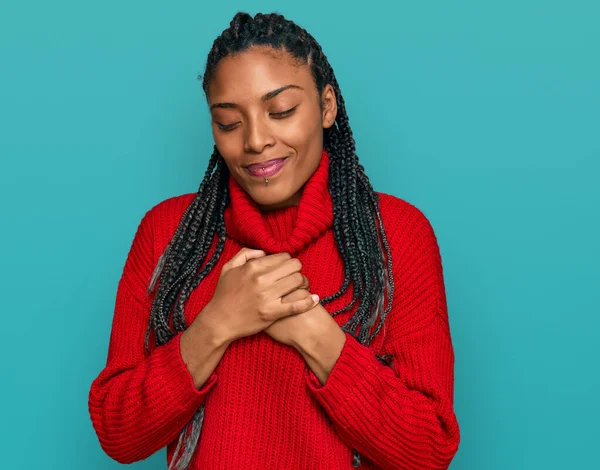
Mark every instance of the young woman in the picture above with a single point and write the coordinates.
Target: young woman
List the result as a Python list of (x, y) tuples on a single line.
[(285, 315)]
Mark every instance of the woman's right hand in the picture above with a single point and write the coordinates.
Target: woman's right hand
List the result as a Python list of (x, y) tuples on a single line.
[(248, 295)]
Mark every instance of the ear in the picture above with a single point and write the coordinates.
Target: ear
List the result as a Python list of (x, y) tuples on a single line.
[(329, 106)]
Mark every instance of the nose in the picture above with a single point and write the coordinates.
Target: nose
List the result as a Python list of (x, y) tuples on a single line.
[(258, 135)]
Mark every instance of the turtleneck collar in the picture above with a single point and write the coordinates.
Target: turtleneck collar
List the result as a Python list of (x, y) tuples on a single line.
[(289, 229)]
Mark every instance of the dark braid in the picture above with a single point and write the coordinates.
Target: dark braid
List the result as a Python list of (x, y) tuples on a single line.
[(357, 220)]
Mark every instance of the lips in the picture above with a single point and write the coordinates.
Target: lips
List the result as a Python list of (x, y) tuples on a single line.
[(266, 169)]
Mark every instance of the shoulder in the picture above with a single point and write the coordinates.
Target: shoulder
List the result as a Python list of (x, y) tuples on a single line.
[(162, 218), (419, 294), (404, 222), (154, 231), (172, 207)]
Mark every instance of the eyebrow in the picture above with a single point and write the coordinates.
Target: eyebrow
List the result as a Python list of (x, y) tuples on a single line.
[(265, 97)]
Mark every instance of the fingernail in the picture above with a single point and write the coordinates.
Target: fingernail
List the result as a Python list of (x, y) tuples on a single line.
[(315, 297)]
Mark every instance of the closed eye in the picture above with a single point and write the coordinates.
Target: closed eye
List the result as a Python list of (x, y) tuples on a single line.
[(284, 113), (226, 127)]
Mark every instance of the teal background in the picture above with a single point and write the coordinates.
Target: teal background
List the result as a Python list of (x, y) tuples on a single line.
[(484, 115)]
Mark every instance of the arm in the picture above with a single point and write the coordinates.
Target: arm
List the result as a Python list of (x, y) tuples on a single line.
[(400, 416), (140, 402)]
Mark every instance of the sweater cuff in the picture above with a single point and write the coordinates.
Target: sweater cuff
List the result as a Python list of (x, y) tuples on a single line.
[(178, 380), (355, 358)]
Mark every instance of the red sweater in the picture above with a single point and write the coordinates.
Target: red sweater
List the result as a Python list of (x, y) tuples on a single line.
[(264, 408)]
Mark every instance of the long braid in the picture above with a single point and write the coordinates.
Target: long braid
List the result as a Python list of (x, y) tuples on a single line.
[(357, 224)]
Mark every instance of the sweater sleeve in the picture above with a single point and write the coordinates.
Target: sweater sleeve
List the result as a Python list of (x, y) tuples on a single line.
[(140, 402), (400, 416)]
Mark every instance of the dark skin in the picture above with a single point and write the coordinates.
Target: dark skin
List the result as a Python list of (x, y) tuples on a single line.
[(250, 99), (255, 132)]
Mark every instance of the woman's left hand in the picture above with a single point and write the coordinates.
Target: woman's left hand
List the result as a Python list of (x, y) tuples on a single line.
[(292, 329)]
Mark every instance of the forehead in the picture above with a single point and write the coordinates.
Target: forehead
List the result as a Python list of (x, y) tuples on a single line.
[(252, 73)]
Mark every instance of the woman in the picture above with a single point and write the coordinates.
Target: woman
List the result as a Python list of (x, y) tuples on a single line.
[(266, 321)]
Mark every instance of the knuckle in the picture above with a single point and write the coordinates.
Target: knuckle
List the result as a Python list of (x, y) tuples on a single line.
[(262, 313), (265, 314), (251, 266), (251, 273), (298, 278)]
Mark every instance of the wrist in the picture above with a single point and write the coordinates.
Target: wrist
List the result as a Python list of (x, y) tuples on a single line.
[(322, 349), (217, 334), (313, 333)]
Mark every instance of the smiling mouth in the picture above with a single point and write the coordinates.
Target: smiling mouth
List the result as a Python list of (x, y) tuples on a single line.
[(268, 168)]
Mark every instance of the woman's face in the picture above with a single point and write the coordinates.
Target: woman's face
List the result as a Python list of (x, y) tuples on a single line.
[(265, 107)]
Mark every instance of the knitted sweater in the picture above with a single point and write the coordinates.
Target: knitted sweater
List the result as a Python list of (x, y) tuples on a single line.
[(264, 407)]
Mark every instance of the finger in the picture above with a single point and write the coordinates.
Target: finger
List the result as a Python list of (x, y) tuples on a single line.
[(300, 306), (287, 284), (243, 256), (282, 270), (270, 261), (297, 294)]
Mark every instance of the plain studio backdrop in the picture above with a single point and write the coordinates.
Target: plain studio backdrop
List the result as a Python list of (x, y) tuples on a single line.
[(483, 115)]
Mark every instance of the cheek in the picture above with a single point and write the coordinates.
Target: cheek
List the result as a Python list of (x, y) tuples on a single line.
[(299, 131), (230, 146)]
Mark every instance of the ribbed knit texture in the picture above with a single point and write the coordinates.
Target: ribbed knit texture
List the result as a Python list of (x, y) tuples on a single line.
[(264, 408)]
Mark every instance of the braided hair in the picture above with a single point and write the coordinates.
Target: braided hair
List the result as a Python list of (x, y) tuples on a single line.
[(358, 228)]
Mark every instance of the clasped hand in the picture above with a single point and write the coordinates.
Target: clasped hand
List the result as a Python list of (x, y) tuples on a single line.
[(258, 292)]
